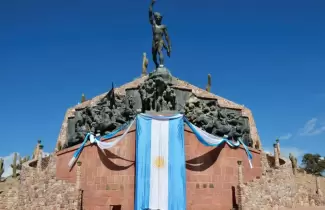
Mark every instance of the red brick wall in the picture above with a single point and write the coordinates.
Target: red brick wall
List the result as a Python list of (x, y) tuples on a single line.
[(109, 180), (212, 173), (105, 180)]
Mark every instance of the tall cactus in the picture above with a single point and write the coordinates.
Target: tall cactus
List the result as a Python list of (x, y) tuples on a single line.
[(14, 166), (83, 98), (144, 65), (59, 146), (208, 88), (22, 161), (2, 170), (27, 158)]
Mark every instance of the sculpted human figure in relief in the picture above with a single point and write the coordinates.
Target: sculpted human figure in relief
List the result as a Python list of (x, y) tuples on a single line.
[(158, 32)]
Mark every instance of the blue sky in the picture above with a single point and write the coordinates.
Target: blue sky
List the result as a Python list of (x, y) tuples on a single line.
[(267, 55)]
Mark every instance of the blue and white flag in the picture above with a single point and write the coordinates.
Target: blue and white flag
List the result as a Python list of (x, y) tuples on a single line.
[(160, 163)]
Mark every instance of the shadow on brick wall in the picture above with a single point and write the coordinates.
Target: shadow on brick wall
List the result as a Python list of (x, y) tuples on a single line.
[(204, 161), (106, 159)]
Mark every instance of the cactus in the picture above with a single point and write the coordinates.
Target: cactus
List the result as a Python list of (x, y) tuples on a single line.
[(83, 98), (2, 170), (27, 158), (144, 65), (208, 88), (59, 146), (14, 166), (22, 161), (19, 166)]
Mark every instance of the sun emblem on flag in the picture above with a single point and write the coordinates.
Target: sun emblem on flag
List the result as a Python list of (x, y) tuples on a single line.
[(159, 162)]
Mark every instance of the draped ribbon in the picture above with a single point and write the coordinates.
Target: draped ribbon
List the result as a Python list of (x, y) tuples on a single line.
[(214, 141), (107, 145), (101, 145), (77, 153), (203, 137)]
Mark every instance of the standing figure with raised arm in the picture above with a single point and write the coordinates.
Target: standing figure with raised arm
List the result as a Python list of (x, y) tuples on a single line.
[(158, 32)]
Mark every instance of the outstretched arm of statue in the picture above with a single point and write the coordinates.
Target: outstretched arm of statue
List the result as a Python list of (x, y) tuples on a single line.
[(151, 17), (169, 47)]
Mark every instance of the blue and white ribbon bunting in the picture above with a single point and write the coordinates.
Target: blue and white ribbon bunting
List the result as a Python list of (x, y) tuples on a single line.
[(101, 145), (204, 137), (77, 153), (214, 141)]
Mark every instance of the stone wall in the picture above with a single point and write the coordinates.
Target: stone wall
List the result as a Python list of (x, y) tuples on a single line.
[(279, 187), (7, 199), (108, 179), (212, 180), (40, 190), (309, 181)]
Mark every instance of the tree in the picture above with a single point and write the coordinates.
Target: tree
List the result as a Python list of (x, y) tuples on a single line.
[(313, 164)]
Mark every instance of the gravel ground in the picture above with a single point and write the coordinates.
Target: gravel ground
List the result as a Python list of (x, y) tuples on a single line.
[(307, 208)]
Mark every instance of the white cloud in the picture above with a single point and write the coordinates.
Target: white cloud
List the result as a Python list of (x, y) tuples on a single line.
[(268, 150), (285, 151), (8, 160), (312, 128), (285, 137)]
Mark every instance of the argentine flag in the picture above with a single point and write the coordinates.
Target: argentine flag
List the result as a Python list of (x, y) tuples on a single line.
[(160, 163)]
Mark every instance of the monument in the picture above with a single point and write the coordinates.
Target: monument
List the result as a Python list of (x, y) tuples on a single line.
[(213, 176), (157, 92)]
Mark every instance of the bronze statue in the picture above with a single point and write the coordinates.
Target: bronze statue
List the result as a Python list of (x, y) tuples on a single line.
[(158, 32)]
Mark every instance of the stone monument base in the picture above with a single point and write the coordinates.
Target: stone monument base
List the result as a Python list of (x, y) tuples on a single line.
[(164, 113), (162, 72)]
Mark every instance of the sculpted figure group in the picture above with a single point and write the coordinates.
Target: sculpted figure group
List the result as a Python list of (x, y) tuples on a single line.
[(217, 121), (157, 95), (110, 113)]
